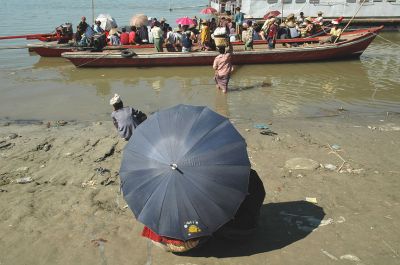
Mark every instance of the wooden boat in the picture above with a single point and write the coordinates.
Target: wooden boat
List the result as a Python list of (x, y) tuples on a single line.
[(351, 46), (52, 49), (55, 50)]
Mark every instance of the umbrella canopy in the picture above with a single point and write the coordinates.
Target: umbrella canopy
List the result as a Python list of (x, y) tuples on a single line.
[(270, 14), (107, 22), (185, 21), (139, 20), (208, 10), (185, 172)]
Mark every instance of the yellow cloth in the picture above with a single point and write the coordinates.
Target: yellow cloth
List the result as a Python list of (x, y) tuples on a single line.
[(205, 34), (335, 32)]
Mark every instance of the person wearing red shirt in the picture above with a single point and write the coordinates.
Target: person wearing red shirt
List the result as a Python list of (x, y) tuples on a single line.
[(132, 35), (124, 37)]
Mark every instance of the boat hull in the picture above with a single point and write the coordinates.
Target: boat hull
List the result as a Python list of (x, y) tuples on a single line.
[(343, 50)]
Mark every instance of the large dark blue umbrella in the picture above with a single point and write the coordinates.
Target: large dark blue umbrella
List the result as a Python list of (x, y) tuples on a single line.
[(185, 172)]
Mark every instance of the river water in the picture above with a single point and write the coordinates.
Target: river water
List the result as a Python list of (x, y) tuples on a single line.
[(34, 88)]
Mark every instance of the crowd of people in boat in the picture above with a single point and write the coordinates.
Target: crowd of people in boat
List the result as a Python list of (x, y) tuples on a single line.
[(207, 34)]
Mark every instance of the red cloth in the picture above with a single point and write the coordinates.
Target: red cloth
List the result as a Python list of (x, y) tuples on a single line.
[(147, 232), (124, 38), (273, 29), (132, 37)]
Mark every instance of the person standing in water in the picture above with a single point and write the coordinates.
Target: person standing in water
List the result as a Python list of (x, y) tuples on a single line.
[(223, 68)]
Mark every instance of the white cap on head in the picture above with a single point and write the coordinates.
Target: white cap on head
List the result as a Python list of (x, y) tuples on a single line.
[(116, 99)]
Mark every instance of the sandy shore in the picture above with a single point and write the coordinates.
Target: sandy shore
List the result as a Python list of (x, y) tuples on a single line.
[(72, 211)]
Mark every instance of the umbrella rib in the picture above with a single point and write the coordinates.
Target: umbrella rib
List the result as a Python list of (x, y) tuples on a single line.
[(150, 158), (205, 135), (205, 195), (191, 202), (147, 201), (145, 182), (219, 184)]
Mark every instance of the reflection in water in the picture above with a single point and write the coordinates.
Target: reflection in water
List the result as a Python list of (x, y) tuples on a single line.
[(257, 92), (221, 104), (103, 87)]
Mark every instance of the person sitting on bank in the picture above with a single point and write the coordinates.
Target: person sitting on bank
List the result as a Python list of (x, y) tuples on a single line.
[(125, 119), (246, 218), (170, 244)]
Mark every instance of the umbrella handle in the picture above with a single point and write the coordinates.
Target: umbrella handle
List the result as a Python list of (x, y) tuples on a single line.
[(175, 167)]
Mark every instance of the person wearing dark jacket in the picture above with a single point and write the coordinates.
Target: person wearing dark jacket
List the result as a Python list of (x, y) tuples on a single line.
[(246, 218)]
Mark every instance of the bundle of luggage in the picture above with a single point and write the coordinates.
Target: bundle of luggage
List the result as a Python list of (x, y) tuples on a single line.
[(220, 37)]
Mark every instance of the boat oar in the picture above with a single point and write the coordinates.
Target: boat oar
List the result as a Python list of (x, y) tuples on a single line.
[(13, 47), (29, 36), (348, 23)]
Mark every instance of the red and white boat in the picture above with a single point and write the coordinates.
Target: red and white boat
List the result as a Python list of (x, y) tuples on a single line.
[(351, 45)]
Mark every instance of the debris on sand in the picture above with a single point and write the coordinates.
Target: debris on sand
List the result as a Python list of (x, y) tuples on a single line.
[(12, 136), (97, 242), (329, 167), (24, 180), (90, 183), (329, 255), (4, 145), (350, 257), (61, 123), (312, 200), (301, 164), (44, 146)]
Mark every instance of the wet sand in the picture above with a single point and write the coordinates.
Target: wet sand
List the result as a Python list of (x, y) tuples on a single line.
[(73, 213)]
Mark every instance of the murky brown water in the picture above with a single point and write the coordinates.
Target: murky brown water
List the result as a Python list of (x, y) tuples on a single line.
[(51, 88)]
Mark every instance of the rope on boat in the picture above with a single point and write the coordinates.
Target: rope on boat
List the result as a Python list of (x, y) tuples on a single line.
[(392, 42), (348, 23), (95, 59)]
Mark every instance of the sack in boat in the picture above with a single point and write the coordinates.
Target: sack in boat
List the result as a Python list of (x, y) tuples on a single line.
[(220, 42)]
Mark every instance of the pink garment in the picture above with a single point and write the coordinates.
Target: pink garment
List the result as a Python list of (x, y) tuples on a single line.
[(132, 37), (223, 64), (124, 38)]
